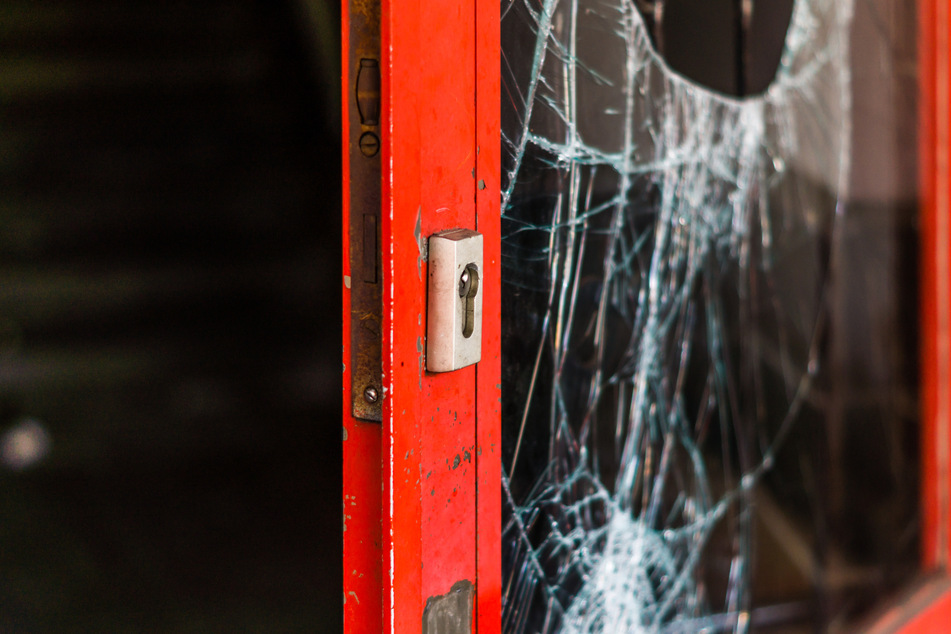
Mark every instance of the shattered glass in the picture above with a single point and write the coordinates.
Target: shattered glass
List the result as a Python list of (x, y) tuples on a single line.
[(666, 262)]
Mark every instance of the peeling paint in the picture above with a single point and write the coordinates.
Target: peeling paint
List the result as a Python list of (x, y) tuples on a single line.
[(420, 349), (420, 243), (346, 281), (450, 613)]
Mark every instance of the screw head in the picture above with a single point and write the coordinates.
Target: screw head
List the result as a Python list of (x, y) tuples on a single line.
[(370, 395), (369, 144)]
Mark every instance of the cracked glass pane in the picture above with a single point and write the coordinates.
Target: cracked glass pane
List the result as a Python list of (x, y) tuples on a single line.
[(708, 416)]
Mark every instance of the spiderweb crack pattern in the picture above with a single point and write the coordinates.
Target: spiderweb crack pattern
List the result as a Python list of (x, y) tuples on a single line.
[(657, 350)]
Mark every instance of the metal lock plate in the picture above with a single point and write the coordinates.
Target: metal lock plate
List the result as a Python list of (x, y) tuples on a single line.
[(454, 320)]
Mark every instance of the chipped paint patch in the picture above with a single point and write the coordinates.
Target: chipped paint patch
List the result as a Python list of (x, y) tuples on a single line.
[(346, 281), (421, 243), (421, 354), (450, 613)]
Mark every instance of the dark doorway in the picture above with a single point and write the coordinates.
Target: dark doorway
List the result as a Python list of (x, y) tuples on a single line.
[(169, 317)]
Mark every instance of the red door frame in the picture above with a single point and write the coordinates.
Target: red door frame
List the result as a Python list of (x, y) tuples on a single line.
[(935, 111), (422, 490), (927, 609)]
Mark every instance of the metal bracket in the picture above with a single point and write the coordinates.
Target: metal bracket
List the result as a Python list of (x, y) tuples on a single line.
[(366, 283)]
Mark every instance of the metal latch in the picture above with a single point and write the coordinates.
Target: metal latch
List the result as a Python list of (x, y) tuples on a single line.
[(366, 267), (454, 318)]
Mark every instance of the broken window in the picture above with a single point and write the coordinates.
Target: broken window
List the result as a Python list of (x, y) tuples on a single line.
[(708, 420)]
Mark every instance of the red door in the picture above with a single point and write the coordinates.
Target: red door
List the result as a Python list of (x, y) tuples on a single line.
[(421, 156), (422, 517)]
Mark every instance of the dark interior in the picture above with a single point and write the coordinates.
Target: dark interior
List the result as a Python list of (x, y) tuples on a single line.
[(730, 46), (169, 316)]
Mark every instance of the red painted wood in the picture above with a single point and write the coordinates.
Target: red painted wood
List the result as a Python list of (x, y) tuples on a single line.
[(488, 372), (362, 494), (933, 619), (925, 610), (434, 425), (935, 118), (429, 420)]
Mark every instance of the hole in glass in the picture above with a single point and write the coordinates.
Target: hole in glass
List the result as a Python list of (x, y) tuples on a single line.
[(730, 46)]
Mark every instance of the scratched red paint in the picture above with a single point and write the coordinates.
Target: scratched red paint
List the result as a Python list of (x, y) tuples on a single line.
[(362, 495), (489, 371), (433, 424)]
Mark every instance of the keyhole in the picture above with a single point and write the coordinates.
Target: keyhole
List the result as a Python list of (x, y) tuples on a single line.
[(468, 289)]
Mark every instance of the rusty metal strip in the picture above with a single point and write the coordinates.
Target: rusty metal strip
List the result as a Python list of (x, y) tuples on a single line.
[(366, 279)]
